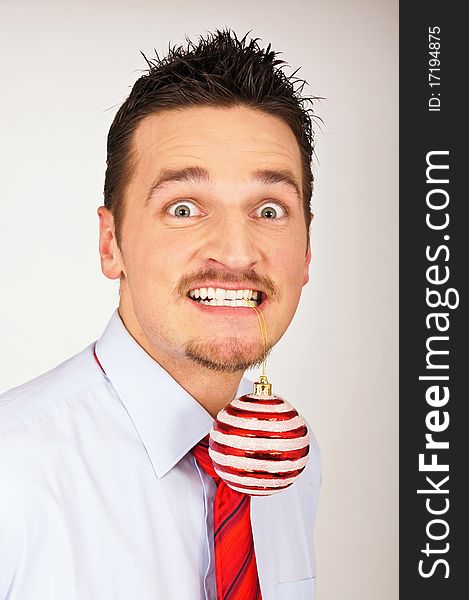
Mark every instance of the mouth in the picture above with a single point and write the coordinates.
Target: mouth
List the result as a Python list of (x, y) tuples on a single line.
[(210, 296)]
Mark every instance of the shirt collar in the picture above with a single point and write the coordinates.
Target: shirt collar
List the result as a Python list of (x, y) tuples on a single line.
[(168, 419)]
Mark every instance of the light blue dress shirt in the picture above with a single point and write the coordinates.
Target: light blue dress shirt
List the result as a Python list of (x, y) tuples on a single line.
[(101, 498)]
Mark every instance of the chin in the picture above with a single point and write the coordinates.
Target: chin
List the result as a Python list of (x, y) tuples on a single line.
[(230, 355)]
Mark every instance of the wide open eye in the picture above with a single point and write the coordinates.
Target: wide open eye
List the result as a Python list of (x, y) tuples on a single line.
[(184, 209), (270, 210)]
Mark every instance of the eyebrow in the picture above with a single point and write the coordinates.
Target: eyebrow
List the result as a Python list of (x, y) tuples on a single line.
[(273, 176), (199, 175)]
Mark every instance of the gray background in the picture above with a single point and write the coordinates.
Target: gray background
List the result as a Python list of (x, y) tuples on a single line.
[(64, 68)]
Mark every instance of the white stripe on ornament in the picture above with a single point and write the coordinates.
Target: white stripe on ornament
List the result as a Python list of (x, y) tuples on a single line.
[(245, 480), (271, 408), (259, 444), (254, 464), (260, 424)]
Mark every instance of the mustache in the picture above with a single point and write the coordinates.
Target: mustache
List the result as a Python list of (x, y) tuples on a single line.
[(257, 282)]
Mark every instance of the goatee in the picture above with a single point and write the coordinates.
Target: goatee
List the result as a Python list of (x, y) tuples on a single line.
[(229, 356)]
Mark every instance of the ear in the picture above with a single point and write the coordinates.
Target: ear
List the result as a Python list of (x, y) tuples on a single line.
[(307, 263), (111, 257), (307, 259)]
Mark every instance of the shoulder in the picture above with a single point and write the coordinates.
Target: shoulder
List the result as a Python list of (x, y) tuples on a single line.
[(33, 441), (41, 422), (42, 394)]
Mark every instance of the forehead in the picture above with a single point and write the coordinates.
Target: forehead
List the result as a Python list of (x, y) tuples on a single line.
[(228, 142)]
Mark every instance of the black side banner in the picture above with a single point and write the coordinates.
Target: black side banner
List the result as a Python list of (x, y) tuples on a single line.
[(434, 257)]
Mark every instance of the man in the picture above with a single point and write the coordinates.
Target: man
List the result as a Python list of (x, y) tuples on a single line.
[(105, 493)]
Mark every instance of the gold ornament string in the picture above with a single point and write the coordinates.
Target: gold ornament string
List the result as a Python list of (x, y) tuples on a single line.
[(263, 328)]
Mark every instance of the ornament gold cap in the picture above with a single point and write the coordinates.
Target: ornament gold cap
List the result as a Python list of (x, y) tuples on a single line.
[(262, 387)]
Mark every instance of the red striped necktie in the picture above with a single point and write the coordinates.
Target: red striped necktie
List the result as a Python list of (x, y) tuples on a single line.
[(235, 560)]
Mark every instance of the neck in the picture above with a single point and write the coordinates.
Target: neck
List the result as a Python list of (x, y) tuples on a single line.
[(212, 389)]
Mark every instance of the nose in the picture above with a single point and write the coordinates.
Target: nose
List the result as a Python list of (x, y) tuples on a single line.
[(232, 245)]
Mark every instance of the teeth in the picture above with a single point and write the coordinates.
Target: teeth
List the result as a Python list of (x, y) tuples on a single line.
[(222, 297), (216, 302)]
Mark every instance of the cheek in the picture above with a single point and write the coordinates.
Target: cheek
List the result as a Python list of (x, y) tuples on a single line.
[(288, 262), (155, 264), (288, 268), (141, 262)]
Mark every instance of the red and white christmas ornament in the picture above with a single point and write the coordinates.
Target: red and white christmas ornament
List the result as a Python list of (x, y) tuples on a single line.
[(259, 443)]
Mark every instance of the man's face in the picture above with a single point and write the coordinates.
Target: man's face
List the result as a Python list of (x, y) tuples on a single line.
[(213, 218)]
